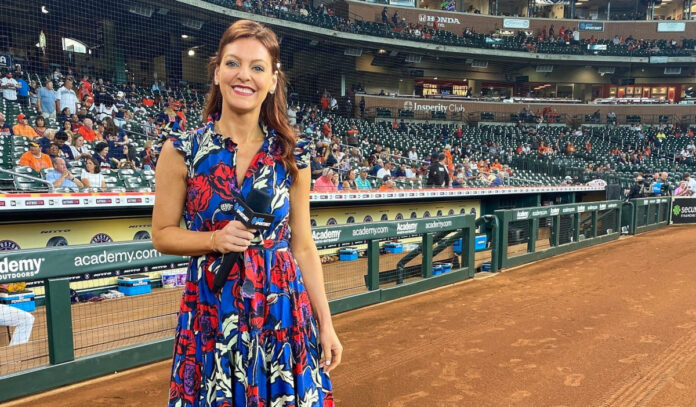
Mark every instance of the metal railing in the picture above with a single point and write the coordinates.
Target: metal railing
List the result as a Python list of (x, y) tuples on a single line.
[(76, 342), (531, 234)]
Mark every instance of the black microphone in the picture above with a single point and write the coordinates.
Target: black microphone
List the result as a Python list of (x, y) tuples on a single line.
[(253, 214)]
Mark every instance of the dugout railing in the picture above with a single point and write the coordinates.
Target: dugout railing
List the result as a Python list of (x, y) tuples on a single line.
[(649, 214), (531, 234), (75, 342)]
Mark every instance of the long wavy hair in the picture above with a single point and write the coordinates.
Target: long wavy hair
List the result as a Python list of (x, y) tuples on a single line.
[(274, 107)]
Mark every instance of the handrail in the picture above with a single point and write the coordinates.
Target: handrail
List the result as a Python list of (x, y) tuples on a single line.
[(51, 187)]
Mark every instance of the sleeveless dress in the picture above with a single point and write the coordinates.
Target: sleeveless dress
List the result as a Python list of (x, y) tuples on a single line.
[(252, 347)]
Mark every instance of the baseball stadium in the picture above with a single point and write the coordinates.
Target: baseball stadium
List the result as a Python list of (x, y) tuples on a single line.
[(491, 202)]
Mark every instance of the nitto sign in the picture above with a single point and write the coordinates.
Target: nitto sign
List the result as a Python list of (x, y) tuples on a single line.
[(439, 107)]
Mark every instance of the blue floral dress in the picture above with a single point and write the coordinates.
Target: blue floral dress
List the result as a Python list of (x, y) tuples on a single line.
[(245, 349)]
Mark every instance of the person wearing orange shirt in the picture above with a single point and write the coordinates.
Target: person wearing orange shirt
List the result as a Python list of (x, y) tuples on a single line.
[(35, 159), (388, 184), (496, 165), (22, 128), (448, 159), (87, 131)]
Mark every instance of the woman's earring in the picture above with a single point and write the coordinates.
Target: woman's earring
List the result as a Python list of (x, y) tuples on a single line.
[(216, 82), (272, 92)]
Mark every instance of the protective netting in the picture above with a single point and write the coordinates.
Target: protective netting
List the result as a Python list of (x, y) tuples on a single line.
[(606, 222), (344, 277), (518, 238), (25, 331), (544, 238), (566, 229)]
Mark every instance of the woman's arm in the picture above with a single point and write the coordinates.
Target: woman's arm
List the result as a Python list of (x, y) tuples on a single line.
[(307, 256), (167, 236)]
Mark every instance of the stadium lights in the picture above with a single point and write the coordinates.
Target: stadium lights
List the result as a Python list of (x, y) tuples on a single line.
[(44, 10), (184, 36), (191, 52)]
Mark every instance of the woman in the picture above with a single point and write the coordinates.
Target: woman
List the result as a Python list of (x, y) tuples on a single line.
[(40, 126), (64, 115), (148, 157), (78, 148), (131, 160), (270, 351), (101, 153), (67, 128), (91, 176), (349, 182)]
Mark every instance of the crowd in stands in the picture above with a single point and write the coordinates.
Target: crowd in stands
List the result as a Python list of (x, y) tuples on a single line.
[(565, 40), (115, 128), (86, 124)]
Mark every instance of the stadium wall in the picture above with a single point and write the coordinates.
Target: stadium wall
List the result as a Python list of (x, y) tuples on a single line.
[(481, 23)]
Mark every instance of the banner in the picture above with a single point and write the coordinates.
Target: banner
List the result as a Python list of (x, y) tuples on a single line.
[(532, 213), (72, 261), (5, 61), (671, 27), (354, 234), (590, 26), (684, 210), (515, 23)]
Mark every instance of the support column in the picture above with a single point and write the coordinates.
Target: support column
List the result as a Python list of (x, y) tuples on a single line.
[(59, 321)]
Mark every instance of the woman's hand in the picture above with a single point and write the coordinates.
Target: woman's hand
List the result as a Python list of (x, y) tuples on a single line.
[(234, 237), (332, 350)]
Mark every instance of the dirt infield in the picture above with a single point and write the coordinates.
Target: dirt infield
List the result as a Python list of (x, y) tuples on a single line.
[(613, 325)]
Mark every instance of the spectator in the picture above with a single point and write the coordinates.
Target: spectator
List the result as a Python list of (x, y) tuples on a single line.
[(61, 139), (67, 128), (637, 190), (35, 159), (413, 154), (5, 130), (325, 182), (349, 183), (77, 148), (438, 177), (87, 130), (352, 136), (61, 177), (568, 180), (22, 128), (386, 170), (148, 157), (388, 184), (130, 159), (46, 141), (67, 97), (362, 182), (40, 126), (65, 115), (91, 175), (101, 152), (20, 319), (22, 91), (316, 167), (9, 87), (459, 181)]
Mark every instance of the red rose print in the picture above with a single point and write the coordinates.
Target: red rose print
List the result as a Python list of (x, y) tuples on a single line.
[(199, 194)]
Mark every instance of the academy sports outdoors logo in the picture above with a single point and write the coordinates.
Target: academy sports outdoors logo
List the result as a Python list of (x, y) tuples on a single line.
[(24, 268)]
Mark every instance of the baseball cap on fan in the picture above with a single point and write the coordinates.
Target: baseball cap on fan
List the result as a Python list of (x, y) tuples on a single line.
[(21, 116)]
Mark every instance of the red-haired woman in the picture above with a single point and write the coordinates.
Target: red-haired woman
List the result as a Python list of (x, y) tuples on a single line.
[(258, 341)]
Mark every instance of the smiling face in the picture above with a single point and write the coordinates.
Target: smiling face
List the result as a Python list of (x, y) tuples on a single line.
[(245, 76)]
